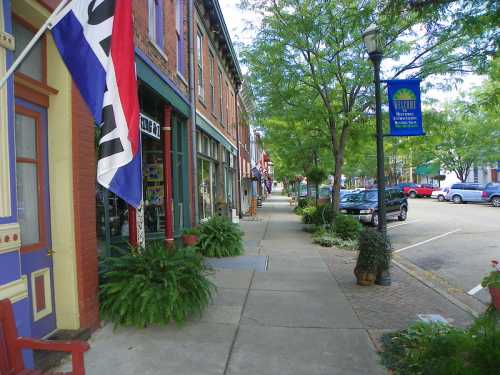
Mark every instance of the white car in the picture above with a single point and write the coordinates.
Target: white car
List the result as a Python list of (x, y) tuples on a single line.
[(440, 194)]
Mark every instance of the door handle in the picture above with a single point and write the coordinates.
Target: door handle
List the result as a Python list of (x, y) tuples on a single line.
[(50, 252)]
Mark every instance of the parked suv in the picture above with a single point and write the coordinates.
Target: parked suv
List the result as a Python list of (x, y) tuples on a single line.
[(491, 193), (465, 192), (364, 205)]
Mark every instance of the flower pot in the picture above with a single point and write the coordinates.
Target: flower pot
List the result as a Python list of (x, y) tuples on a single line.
[(189, 239), (495, 297), (365, 278)]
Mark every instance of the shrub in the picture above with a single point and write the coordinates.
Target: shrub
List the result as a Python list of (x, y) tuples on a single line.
[(438, 349), (374, 251), (219, 237), (305, 202), (330, 240), (155, 286), (317, 215), (347, 227)]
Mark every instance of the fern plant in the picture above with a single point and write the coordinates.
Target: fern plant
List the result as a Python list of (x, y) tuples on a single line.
[(219, 237), (154, 286)]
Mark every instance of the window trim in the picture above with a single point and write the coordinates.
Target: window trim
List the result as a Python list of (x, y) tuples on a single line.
[(153, 34), (211, 58), (43, 41), (42, 193), (199, 64), (179, 31)]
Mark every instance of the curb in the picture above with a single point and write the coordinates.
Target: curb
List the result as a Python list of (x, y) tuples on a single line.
[(475, 313)]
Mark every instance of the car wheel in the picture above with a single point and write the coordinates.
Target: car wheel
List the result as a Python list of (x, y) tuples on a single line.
[(441, 198), (403, 213), (457, 199), (413, 194), (495, 201), (375, 220)]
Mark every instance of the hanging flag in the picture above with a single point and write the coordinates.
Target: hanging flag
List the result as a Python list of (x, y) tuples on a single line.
[(95, 40), (405, 112)]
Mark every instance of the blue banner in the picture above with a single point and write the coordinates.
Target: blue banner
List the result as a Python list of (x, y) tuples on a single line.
[(405, 111), (498, 166)]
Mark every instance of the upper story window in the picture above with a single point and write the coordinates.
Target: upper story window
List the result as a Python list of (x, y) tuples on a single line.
[(179, 30), (221, 96), (227, 103), (212, 85), (34, 64), (155, 22), (199, 52)]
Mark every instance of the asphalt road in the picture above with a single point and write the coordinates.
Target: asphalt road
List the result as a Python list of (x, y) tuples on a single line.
[(456, 242)]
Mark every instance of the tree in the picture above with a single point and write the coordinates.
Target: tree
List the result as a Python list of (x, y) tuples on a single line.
[(308, 59)]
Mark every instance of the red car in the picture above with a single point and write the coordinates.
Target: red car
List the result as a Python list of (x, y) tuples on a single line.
[(424, 190)]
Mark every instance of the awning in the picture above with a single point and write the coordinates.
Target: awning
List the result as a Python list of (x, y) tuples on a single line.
[(428, 169), (214, 133), (159, 83)]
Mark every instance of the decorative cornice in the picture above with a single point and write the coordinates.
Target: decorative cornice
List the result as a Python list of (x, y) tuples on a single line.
[(15, 290), (10, 237)]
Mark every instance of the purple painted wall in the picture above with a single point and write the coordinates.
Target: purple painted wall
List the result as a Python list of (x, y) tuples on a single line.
[(10, 108), (21, 312), (10, 262), (9, 267)]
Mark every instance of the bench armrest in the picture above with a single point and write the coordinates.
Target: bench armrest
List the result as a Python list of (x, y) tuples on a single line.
[(55, 346)]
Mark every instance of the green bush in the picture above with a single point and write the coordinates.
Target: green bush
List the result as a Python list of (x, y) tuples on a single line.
[(374, 251), (330, 240), (219, 237), (346, 227), (305, 202), (438, 349), (155, 286), (317, 215)]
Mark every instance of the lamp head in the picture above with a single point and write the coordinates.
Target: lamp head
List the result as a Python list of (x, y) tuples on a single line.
[(371, 39)]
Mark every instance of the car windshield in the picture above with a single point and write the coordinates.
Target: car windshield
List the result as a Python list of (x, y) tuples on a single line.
[(362, 196)]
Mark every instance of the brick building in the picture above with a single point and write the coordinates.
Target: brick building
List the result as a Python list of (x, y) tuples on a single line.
[(54, 219)]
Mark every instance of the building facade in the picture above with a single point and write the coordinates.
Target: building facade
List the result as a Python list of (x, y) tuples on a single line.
[(54, 219)]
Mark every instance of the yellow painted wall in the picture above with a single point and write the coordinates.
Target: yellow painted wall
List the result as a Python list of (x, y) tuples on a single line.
[(5, 206), (60, 175)]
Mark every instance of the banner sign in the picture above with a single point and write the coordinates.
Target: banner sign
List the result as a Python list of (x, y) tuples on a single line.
[(150, 127), (498, 166), (405, 112)]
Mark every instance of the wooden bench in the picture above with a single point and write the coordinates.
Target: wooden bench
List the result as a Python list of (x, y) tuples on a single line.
[(11, 359)]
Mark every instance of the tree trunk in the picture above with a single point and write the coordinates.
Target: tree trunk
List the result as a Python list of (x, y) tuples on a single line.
[(317, 194)]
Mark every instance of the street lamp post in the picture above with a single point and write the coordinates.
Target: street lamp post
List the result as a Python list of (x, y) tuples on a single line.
[(372, 41)]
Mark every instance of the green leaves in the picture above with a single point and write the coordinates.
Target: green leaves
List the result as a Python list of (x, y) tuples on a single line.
[(219, 237), (155, 286), (374, 251)]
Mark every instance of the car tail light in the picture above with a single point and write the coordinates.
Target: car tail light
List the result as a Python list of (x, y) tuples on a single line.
[(485, 194)]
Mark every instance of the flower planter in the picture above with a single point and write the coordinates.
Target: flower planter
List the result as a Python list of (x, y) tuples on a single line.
[(189, 239), (495, 297), (364, 278)]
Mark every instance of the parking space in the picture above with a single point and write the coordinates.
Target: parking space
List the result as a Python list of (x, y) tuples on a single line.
[(454, 241)]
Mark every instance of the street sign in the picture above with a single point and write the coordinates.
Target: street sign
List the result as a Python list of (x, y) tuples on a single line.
[(150, 127), (405, 112)]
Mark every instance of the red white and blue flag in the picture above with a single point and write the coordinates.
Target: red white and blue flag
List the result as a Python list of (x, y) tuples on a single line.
[(95, 40)]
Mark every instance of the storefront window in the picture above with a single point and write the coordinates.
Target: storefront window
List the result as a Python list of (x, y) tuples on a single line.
[(207, 175), (154, 193)]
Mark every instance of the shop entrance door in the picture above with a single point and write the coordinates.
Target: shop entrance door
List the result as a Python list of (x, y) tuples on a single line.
[(180, 176), (32, 181)]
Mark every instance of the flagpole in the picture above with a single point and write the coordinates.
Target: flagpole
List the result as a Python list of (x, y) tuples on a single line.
[(32, 43)]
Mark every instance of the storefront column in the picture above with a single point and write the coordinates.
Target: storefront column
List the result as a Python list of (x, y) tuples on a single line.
[(167, 175), (132, 226)]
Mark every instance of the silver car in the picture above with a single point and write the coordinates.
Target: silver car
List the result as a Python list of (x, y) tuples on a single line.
[(465, 192)]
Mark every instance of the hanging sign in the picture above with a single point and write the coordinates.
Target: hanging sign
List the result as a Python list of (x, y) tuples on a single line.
[(150, 127), (405, 111)]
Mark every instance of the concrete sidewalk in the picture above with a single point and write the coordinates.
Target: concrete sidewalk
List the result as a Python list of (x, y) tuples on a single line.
[(293, 318)]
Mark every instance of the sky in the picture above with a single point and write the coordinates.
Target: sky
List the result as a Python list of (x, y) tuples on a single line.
[(238, 20)]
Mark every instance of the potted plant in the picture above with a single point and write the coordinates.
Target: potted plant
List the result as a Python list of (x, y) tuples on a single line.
[(190, 236), (373, 256), (492, 282)]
